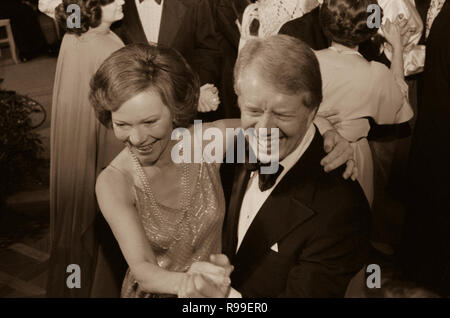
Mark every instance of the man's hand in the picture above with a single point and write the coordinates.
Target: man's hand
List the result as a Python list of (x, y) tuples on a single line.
[(339, 151), (205, 279), (217, 274)]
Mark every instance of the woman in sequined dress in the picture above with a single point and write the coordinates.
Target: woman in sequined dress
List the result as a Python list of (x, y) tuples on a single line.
[(166, 217)]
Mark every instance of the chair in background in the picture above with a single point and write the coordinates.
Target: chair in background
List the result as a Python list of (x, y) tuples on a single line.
[(9, 39)]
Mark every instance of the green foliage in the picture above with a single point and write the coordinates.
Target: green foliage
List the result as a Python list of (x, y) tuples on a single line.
[(20, 146)]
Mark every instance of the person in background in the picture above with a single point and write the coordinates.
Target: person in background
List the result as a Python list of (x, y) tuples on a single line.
[(186, 26), (382, 93), (79, 149), (28, 36), (424, 255)]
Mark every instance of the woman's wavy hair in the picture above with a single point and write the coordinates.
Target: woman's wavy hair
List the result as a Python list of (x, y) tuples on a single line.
[(345, 21), (90, 14), (142, 67)]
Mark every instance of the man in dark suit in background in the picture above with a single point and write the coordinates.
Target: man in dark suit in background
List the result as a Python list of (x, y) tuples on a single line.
[(226, 13), (425, 252), (185, 25), (300, 232)]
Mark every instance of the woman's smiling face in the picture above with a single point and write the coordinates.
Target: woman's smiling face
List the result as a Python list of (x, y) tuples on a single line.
[(144, 123)]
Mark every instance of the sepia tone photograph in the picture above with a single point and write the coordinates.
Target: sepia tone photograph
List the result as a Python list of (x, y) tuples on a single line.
[(224, 149)]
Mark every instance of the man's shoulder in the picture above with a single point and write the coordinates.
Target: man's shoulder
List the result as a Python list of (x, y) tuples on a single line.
[(293, 25), (330, 188)]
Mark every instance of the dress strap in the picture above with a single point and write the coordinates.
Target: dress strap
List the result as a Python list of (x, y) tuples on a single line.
[(345, 52)]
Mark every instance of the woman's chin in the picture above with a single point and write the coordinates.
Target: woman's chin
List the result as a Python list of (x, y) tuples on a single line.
[(119, 16)]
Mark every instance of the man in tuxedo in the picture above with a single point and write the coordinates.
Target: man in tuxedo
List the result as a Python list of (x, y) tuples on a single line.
[(185, 25), (300, 232)]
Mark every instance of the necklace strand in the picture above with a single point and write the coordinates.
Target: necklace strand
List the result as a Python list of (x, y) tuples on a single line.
[(148, 194)]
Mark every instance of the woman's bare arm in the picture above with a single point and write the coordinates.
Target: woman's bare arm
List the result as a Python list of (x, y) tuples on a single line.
[(115, 200)]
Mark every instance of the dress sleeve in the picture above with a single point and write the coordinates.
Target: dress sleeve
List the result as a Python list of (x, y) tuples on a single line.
[(391, 96), (48, 7)]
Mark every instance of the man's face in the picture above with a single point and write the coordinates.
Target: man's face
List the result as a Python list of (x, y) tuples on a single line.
[(263, 106)]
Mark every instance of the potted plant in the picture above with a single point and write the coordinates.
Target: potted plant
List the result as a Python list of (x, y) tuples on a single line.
[(20, 145)]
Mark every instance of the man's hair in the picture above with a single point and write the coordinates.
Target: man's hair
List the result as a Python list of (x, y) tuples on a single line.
[(90, 14), (285, 62), (345, 21), (142, 67)]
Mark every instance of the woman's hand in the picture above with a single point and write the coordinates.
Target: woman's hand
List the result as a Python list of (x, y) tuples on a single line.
[(339, 151), (209, 98), (405, 30), (392, 33), (220, 275), (204, 279), (195, 285)]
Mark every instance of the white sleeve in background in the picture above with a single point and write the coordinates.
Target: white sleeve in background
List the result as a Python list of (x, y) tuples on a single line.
[(48, 7), (234, 293)]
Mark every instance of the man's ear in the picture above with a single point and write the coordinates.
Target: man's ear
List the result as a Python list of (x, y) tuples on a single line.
[(312, 115), (236, 87)]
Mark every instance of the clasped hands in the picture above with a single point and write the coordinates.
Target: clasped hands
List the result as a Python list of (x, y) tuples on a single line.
[(207, 279)]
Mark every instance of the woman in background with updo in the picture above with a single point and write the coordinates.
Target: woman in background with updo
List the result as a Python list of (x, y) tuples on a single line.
[(356, 88), (80, 145)]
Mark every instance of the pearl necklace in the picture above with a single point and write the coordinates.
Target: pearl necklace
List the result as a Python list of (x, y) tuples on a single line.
[(163, 221)]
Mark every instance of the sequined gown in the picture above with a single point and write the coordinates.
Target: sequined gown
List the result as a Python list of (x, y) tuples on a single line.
[(180, 237)]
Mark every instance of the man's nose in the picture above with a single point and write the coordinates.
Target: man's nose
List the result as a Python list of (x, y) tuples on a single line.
[(266, 121), (137, 136)]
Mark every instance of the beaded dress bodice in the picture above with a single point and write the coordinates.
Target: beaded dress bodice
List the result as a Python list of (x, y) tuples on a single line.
[(180, 237)]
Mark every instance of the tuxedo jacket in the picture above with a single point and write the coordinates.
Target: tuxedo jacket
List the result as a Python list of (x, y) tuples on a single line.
[(187, 26), (307, 240)]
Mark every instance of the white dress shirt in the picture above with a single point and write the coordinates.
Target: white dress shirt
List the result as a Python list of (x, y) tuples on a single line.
[(150, 14), (254, 198)]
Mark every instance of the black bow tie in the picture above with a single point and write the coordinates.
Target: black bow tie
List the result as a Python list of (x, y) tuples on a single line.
[(157, 1), (265, 180)]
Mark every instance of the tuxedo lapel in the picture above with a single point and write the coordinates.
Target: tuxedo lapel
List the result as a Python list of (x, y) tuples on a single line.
[(240, 183), (171, 21)]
